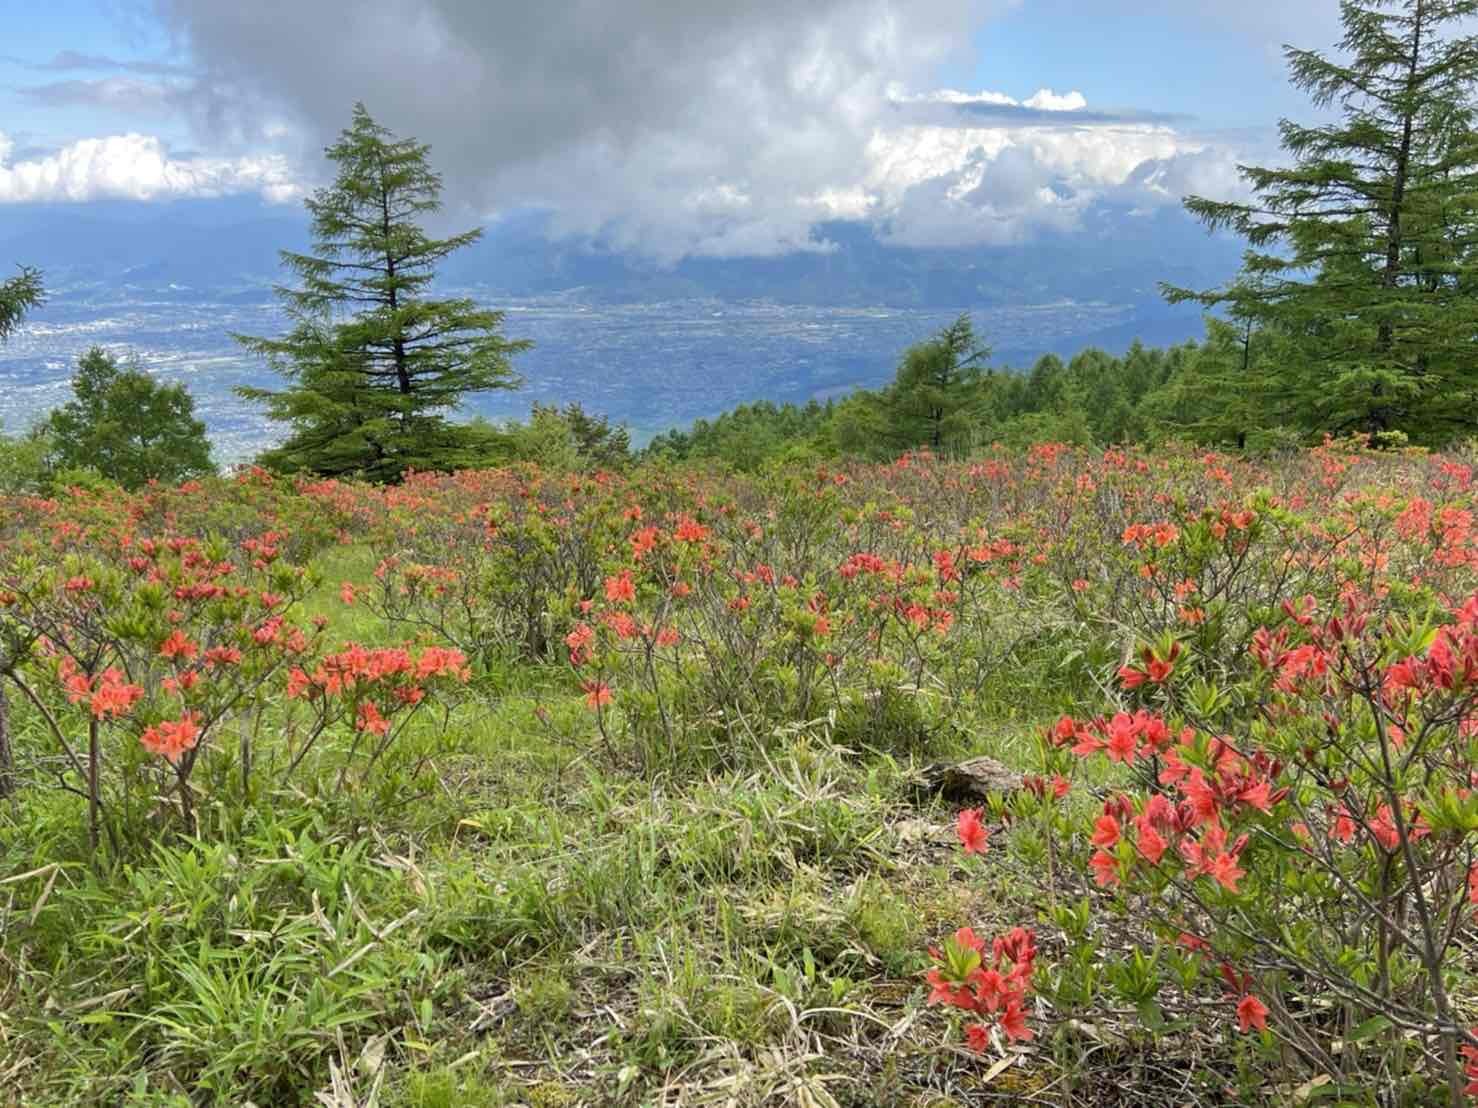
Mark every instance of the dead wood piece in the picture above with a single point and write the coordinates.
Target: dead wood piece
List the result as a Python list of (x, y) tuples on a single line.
[(970, 780)]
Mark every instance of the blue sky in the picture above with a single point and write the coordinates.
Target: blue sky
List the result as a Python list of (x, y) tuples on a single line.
[(1139, 56), (701, 127), (80, 27), (1117, 55)]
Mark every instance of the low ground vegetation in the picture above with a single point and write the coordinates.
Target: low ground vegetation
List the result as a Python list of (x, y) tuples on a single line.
[(522, 787)]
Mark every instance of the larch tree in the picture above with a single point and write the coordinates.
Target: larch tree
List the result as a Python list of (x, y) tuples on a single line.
[(18, 295), (934, 392), (374, 359), (1363, 252)]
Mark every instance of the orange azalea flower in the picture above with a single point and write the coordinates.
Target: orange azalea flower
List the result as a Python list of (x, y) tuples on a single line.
[(172, 738), (597, 694), (972, 832)]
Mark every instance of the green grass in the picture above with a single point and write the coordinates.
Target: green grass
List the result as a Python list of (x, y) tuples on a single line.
[(507, 917)]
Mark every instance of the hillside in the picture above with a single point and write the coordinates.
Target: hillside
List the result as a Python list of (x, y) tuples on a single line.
[(511, 787)]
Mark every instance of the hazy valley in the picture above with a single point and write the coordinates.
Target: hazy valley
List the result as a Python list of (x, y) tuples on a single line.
[(652, 346)]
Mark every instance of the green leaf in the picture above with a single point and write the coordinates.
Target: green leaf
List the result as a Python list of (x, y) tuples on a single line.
[(1151, 1015)]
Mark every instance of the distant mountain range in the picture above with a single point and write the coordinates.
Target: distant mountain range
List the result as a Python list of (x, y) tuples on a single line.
[(217, 245), (718, 331)]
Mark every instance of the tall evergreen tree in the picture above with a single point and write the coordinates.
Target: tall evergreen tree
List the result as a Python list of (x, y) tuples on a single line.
[(1363, 254), (375, 360), (936, 387)]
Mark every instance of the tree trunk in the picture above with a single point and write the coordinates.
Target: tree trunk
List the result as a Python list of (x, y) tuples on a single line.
[(1401, 172), (402, 374)]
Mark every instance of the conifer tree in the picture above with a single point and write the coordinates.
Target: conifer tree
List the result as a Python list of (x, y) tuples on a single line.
[(1363, 253), (18, 295), (931, 398), (375, 361)]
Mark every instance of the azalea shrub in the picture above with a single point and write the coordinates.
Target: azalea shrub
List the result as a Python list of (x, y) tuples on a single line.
[(1252, 816), (1279, 820), (719, 626), (1306, 836), (482, 560), (144, 655)]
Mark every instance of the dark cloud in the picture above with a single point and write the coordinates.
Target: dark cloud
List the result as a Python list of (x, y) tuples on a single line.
[(673, 127), (681, 125)]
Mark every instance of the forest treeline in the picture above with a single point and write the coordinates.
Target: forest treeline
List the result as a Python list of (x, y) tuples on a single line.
[(1187, 392)]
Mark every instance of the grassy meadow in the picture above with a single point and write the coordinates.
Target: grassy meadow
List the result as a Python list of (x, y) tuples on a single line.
[(622, 795)]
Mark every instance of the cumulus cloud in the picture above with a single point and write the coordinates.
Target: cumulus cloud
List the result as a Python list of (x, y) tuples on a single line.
[(1048, 101), (695, 128), (1000, 177), (135, 167), (999, 186)]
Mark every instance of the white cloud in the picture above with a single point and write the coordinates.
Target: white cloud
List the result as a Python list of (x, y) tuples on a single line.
[(1042, 100), (1050, 101), (700, 127), (923, 183), (937, 184), (696, 128), (137, 167)]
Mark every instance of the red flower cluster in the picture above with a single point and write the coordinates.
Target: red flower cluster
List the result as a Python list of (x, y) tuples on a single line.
[(172, 738), (690, 530), (1123, 737), (1193, 823), (1141, 534), (579, 641), (997, 992), (621, 589), (109, 696), (1251, 1013), (357, 667), (973, 834), (178, 647), (597, 694), (1157, 670)]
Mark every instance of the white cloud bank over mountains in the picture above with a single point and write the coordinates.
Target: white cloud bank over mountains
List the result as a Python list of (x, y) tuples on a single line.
[(137, 167), (700, 127), (1002, 174), (924, 184)]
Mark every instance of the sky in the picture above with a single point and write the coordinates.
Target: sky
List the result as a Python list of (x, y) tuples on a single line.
[(670, 127)]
